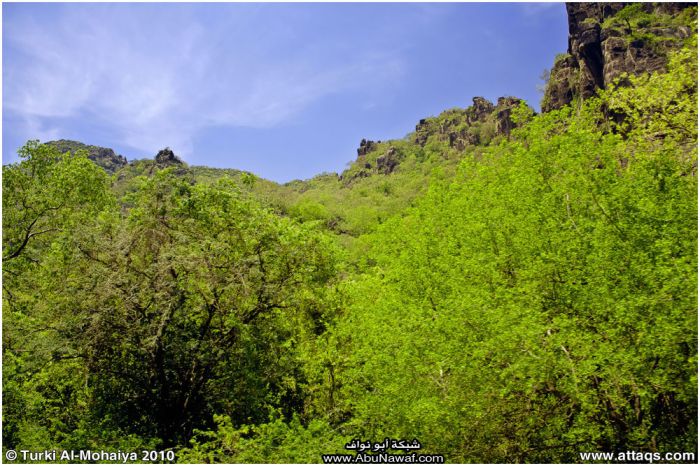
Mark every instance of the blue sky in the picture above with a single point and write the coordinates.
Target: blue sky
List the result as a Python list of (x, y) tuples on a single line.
[(283, 90)]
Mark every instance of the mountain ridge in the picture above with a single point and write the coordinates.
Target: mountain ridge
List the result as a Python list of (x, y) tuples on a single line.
[(390, 174)]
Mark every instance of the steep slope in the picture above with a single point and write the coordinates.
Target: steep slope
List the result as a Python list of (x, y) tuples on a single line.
[(543, 302), (387, 176)]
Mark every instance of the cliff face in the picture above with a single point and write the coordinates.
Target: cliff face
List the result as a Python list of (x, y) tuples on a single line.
[(609, 39)]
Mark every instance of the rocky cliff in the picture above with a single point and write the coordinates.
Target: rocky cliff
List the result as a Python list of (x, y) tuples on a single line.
[(102, 156), (113, 163), (476, 125), (607, 40)]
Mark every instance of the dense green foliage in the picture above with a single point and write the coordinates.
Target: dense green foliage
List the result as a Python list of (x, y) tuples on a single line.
[(544, 301), (148, 320), (520, 300)]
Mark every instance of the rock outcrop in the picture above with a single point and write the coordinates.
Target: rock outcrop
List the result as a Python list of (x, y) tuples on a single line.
[(166, 157), (504, 109), (384, 162), (609, 39), (388, 162), (475, 125), (102, 156), (366, 146)]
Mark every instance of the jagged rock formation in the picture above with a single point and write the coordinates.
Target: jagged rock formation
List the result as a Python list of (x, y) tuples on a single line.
[(609, 39), (384, 162), (475, 125), (166, 157), (366, 146), (102, 156), (113, 163), (388, 162), (504, 109)]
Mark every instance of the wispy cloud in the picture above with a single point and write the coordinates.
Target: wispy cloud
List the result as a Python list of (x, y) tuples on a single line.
[(156, 77)]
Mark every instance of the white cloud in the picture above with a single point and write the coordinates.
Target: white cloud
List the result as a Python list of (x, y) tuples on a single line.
[(158, 81)]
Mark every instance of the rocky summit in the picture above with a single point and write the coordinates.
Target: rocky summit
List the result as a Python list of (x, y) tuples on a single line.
[(166, 157)]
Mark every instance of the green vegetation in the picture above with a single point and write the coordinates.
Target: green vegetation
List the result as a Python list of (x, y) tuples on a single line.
[(561, 56), (543, 302), (636, 24), (508, 299)]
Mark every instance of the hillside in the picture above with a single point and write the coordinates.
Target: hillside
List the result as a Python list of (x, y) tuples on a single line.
[(606, 42), (384, 178), (498, 286), (102, 156)]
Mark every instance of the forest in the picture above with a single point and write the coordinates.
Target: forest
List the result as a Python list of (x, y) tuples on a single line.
[(520, 297)]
